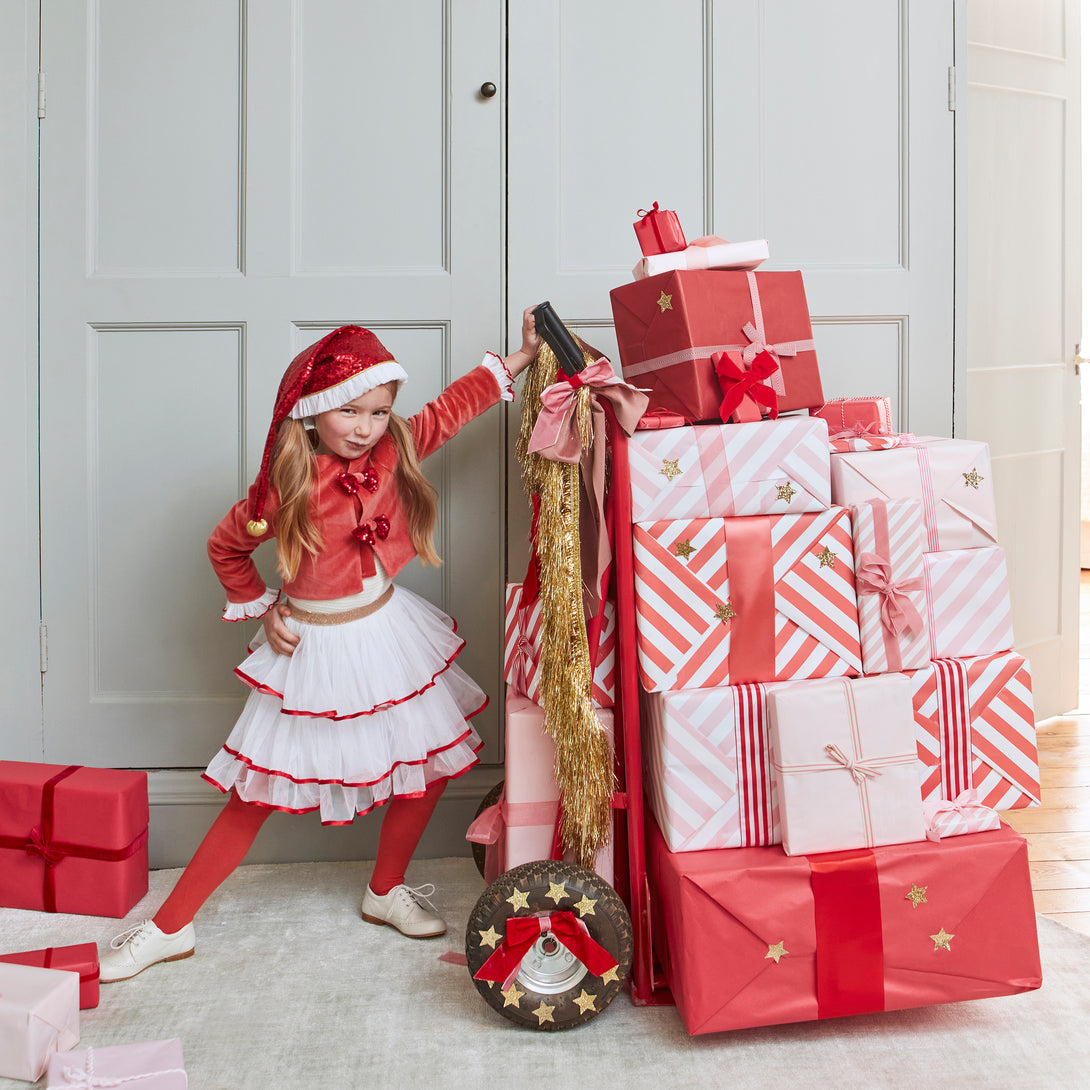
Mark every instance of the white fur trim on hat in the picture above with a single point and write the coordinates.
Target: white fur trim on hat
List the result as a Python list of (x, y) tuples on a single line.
[(358, 385)]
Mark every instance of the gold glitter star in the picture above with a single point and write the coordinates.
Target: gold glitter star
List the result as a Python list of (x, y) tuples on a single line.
[(610, 974), (724, 612), (490, 937), (775, 952), (518, 900), (669, 469), (586, 906), (785, 492), (973, 479), (544, 1014), (942, 940), (826, 558), (917, 895), (512, 996), (665, 303), (584, 1002), (557, 892), (684, 549)]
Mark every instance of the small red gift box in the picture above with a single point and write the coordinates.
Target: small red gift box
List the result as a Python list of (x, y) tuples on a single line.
[(659, 231), (82, 959), (670, 326), (72, 839), (856, 417)]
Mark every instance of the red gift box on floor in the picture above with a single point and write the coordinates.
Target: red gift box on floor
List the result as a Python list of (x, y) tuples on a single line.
[(669, 326), (754, 937), (72, 839), (82, 959)]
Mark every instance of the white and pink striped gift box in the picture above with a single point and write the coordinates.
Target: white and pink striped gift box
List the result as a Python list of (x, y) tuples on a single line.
[(768, 467), (757, 598), (968, 603), (975, 728)]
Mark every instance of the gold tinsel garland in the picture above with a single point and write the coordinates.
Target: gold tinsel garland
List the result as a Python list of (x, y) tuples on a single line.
[(584, 757)]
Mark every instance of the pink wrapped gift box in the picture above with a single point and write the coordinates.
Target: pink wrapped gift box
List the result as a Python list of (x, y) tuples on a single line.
[(769, 467), (757, 598), (951, 477), (150, 1065), (39, 1016), (889, 581), (707, 252), (870, 442), (975, 729), (960, 816), (968, 603), (81, 958), (845, 757), (522, 650), (751, 937), (707, 768)]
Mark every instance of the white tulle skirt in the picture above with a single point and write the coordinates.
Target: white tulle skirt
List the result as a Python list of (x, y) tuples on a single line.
[(359, 713)]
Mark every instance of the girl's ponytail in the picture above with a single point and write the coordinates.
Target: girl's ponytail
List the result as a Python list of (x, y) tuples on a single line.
[(416, 490), (292, 473)]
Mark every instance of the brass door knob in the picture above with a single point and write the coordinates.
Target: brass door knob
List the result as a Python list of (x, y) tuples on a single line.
[(488, 90)]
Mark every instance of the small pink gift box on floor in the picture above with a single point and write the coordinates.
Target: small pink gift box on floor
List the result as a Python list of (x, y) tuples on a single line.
[(149, 1065), (39, 1015)]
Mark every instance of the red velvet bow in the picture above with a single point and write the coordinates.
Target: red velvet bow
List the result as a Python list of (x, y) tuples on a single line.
[(874, 576), (38, 845), (367, 533), (351, 482), (524, 931), (647, 212), (742, 385)]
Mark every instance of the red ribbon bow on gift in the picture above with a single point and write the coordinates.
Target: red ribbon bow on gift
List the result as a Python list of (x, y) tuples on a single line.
[(742, 384), (351, 482), (37, 844), (524, 931), (367, 533), (647, 211), (874, 576)]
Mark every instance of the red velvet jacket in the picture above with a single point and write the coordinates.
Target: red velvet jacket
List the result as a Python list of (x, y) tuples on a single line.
[(344, 562)]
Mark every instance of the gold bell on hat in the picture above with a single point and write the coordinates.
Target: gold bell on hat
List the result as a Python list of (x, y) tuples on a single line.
[(256, 527)]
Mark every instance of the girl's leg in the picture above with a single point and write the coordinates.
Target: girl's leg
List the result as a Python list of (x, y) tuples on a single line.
[(402, 828)]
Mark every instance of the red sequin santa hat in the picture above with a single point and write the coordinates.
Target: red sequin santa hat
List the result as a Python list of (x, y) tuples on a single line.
[(342, 366)]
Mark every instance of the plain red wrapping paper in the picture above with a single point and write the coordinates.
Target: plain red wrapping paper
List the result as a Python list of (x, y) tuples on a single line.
[(724, 911), (81, 958)]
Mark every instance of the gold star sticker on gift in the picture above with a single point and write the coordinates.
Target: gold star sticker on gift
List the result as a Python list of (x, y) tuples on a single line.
[(490, 937), (665, 303), (584, 1002), (609, 974), (725, 611), (942, 940), (586, 906), (518, 899), (826, 558), (776, 951), (917, 895), (684, 549), (512, 996), (785, 492), (557, 892), (544, 1014), (670, 469), (973, 479)]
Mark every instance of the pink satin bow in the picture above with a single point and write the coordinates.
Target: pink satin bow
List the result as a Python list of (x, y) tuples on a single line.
[(874, 576), (966, 800), (741, 384)]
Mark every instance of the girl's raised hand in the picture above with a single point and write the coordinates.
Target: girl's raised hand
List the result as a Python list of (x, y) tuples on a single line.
[(519, 360), (281, 638)]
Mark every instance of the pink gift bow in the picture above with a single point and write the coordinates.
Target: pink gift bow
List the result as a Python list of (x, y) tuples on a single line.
[(898, 612), (860, 770), (86, 1079), (966, 800)]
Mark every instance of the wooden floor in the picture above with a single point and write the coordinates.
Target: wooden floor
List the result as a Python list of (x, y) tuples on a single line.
[(1059, 830)]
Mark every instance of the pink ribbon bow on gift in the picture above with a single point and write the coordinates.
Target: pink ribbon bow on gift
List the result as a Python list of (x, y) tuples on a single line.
[(556, 433), (966, 800), (860, 769), (84, 1078), (746, 384), (874, 576)]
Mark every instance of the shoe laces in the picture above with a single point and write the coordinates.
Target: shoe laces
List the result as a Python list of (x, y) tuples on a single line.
[(134, 935), (420, 894)]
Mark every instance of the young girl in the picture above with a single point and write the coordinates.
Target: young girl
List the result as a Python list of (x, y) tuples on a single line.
[(356, 701)]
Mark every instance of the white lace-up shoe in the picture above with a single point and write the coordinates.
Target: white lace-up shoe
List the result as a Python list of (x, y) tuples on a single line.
[(403, 908), (134, 950)]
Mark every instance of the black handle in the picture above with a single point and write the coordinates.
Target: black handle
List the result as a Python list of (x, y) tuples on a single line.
[(555, 334)]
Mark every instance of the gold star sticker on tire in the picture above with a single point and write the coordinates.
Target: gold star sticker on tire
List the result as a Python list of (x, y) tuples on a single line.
[(585, 907), (544, 1013), (557, 892), (518, 899), (584, 1002), (512, 996), (610, 974), (490, 937), (941, 940)]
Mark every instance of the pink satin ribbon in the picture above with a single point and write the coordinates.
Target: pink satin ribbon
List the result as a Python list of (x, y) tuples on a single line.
[(874, 575), (748, 549)]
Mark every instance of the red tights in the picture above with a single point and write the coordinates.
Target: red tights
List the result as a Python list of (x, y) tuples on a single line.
[(227, 842)]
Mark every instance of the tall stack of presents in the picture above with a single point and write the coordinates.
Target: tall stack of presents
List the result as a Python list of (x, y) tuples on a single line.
[(832, 713)]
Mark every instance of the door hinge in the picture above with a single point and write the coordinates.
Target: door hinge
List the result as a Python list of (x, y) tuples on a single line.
[(43, 645), (951, 88), (41, 95)]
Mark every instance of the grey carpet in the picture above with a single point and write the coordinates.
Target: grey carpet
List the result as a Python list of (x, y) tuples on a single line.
[(290, 989)]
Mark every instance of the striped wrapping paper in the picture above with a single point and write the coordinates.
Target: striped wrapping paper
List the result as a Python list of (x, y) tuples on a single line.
[(707, 770), (768, 467), (968, 603), (522, 650), (975, 728), (959, 817), (757, 598), (870, 442)]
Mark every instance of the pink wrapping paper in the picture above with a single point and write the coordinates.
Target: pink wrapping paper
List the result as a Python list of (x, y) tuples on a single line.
[(968, 603), (81, 958), (871, 442), (708, 252), (39, 1015), (148, 1065), (769, 467), (960, 816), (845, 757), (952, 478)]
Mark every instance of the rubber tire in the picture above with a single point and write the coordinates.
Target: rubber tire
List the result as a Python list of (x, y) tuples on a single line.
[(609, 925), (490, 799)]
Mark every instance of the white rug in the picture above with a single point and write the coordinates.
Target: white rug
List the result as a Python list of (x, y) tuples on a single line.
[(290, 989)]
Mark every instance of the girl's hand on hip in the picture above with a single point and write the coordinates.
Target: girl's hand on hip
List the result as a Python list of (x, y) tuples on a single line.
[(281, 638)]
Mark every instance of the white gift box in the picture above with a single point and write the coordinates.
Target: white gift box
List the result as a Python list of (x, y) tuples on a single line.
[(708, 252), (39, 1015)]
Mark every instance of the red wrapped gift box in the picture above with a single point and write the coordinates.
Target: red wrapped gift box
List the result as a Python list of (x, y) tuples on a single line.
[(82, 959), (669, 326), (658, 231), (72, 839), (754, 937)]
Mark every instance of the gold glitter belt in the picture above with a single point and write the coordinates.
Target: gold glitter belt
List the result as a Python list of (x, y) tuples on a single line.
[(307, 617)]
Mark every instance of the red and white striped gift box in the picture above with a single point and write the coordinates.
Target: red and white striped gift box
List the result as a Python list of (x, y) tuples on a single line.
[(769, 467), (522, 650), (889, 579), (758, 598), (707, 770), (975, 728), (869, 442), (968, 603)]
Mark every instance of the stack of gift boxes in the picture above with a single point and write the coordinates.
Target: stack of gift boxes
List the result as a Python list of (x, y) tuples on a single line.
[(832, 712)]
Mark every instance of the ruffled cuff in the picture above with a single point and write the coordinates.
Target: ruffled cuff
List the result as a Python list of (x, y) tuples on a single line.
[(502, 376), (245, 611)]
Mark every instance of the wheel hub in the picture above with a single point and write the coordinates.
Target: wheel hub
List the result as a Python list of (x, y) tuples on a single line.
[(549, 967)]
